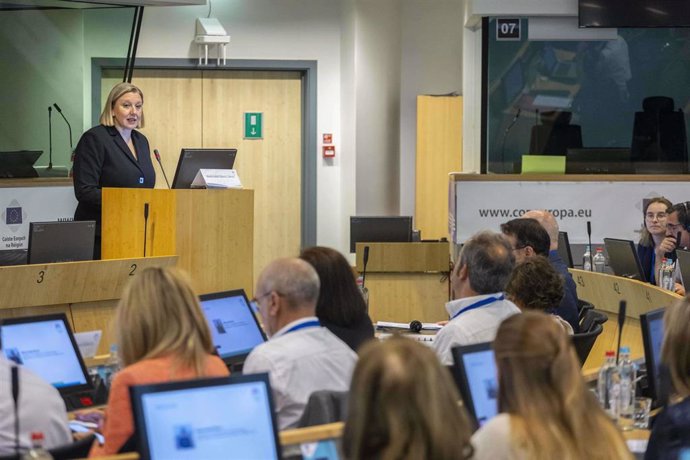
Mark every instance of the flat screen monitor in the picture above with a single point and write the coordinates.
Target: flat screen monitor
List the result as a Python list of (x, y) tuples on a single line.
[(192, 160), (235, 329), (477, 378), (370, 229), (19, 163), (626, 13), (46, 346), (564, 249), (217, 418), (598, 161), (52, 242), (652, 324), (683, 261), (623, 259)]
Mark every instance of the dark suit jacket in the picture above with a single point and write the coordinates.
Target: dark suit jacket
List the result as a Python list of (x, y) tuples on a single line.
[(568, 306), (646, 256), (670, 432), (102, 159)]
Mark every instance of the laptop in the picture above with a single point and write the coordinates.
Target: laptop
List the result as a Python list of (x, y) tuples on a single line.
[(564, 249), (53, 242), (652, 324), (19, 164), (217, 418), (380, 229), (683, 261), (46, 346), (623, 259), (477, 380), (235, 329), (192, 160)]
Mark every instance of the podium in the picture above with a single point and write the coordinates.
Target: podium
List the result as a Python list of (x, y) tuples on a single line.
[(211, 232), (406, 281)]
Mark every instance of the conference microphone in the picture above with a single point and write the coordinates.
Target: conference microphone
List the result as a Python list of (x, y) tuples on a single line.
[(71, 145), (505, 133), (364, 266), (158, 159), (536, 132), (621, 321), (50, 137), (589, 239), (146, 224), (15, 399)]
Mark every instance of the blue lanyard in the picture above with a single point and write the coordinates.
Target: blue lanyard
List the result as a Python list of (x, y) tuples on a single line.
[(652, 274), (481, 303), (313, 323)]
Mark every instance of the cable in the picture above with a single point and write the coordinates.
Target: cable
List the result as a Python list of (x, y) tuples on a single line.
[(210, 5)]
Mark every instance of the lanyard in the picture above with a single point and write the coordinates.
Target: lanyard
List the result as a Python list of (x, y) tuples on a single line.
[(481, 303), (313, 323)]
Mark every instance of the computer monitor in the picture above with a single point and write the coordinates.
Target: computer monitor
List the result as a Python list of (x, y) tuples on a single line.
[(564, 249), (46, 346), (18, 164), (683, 261), (52, 242), (192, 160), (378, 229), (477, 380), (652, 324), (217, 418), (235, 329), (623, 259)]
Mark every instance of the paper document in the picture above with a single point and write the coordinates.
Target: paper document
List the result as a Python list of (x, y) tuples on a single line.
[(88, 342), (392, 325)]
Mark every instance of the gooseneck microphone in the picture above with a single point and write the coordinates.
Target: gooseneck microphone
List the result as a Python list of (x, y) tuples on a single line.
[(505, 134), (621, 322), (15, 399), (365, 262), (589, 240), (158, 159), (57, 107), (146, 224), (50, 137)]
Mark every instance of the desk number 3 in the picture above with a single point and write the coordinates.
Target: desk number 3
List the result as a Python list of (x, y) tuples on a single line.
[(41, 275)]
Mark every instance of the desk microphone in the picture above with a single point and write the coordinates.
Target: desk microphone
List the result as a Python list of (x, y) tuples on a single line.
[(57, 107), (365, 261), (15, 399), (50, 137), (536, 132), (505, 133), (621, 322), (589, 239), (158, 158), (146, 222)]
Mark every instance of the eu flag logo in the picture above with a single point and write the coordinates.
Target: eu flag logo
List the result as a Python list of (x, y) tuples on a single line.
[(13, 216)]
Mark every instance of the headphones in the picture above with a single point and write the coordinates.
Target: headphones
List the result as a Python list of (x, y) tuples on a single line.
[(685, 221)]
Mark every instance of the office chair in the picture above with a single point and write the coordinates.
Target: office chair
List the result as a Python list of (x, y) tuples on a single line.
[(659, 133), (582, 308), (584, 341), (555, 135), (592, 318), (77, 449), (325, 406)]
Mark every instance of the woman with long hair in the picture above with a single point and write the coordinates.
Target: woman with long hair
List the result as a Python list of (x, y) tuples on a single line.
[(404, 405), (653, 240), (162, 336), (546, 409)]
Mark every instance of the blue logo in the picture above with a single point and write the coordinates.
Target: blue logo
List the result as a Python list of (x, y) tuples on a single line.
[(13, 216)]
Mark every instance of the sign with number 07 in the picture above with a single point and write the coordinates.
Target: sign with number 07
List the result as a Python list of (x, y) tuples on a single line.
[(508, 29)]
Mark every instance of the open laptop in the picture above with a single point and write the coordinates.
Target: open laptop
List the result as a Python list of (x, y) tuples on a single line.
[(235, 329), (683, 262), (46, 346), (652, 324), (192, 160), (18, 164), (564, 249), (217, 418), (477, 379), (52, 242), (623, 259)]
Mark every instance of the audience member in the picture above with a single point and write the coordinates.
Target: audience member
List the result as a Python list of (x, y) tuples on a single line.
[(341, 307), (163, 336), (40, 408), (527, 238), (546, 409), (404, 404), (567, 307), (653, 240), (477, 281), (678, 221), (301, 356), (671, 429), (535, 285)]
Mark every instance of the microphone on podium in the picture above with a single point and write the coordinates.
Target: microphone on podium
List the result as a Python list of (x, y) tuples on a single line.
[(158, 159)]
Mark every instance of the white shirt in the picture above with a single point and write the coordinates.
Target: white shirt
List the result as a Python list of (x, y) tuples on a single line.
[(40, 409), (300, 362), (493, 441), (472, 326)]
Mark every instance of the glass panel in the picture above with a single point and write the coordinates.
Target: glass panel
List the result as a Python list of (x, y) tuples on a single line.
[(550, 97)]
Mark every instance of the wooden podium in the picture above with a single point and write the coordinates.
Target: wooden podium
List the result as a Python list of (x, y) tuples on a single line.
[(211, 232), (406, 281)]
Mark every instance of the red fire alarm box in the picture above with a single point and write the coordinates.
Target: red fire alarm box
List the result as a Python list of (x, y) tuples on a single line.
[(328, 151)]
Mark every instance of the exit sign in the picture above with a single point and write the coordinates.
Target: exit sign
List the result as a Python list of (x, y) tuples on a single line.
[(253, 125)]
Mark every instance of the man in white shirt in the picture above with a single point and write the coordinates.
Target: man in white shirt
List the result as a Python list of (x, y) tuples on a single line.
[(40, 409), (477, 281), (301, 357)]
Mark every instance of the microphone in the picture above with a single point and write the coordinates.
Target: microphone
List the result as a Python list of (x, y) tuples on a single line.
[(589, 239), (15, 399), (416, 326), (505, 133), (146, 222), (158, 158), (50, 137), (366, 261), (536, 131), (621, 321), (57, 107)]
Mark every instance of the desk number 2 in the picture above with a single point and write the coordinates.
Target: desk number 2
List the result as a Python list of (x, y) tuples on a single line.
[(132, 269), (41, 275)]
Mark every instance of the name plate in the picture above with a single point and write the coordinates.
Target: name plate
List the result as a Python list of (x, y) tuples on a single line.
[(217, 178)]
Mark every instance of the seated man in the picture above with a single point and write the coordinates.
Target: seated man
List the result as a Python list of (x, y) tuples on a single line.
[(477, 281), (678, 221), (40, 408), (530, 238), (301, 356)]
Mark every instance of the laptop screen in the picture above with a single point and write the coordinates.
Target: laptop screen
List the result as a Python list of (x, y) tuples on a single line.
[(220, 418), (478, 380), (652, 324), (52, 242), (623, 259), (46, 346), (234, 328)]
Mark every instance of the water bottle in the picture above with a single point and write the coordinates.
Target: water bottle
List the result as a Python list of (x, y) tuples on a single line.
[(110, 367), (364, 291), (37, 452), (586, 260), (666, 271), (599, 261), (608, 385), (626, 398)]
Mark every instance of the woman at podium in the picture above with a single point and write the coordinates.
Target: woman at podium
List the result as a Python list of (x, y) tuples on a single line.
[(112, 154)]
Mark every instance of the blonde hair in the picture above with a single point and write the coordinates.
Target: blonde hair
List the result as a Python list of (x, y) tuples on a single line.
[(552, 413), (675, 352), (160, 315), (116, 93), (404, 405)]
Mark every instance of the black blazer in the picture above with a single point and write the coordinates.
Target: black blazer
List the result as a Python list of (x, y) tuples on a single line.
[(102, 159)]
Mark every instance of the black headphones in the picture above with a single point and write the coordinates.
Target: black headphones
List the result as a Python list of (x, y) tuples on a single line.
[(685, 221)]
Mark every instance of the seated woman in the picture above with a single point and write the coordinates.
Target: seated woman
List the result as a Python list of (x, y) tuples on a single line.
[(163, 336), (341, 307), (653, 240), (404, 405), (671, 430), (546, 409), (536, 285)]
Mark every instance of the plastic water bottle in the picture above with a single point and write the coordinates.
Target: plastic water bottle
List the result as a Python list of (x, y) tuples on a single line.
[(37, 452), (626, 398), (599, 261), (110, 367), (608, 387), (364, 291), (586, 259)]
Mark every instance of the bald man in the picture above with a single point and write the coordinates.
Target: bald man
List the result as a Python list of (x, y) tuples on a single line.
[(568, 306), (301, 357)]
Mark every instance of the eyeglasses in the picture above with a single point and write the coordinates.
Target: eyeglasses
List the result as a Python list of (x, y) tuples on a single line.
[(657, 216), (674, 227), (255, 299)]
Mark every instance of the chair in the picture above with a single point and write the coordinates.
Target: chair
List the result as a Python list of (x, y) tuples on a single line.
[(582, 308), (584, 341), (77, 449), (323, 407), (555, 135), (591, 318), (659, 133)]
